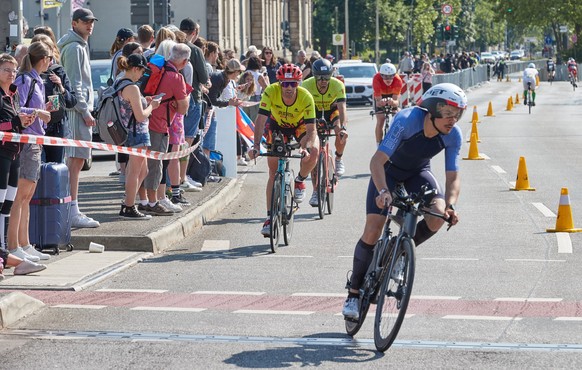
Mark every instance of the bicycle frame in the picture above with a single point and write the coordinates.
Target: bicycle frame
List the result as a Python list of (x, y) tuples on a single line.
[(324, 132)]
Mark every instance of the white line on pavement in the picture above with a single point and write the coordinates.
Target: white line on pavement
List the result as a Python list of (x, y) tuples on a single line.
[(473, 317), (274, 312), (170, 309), (531, 260), (157, 291), (439, 297), (544, 210), (227, 292), (498, 169), (448, 259), (84, 306), (516, 299), (564, 243), (342, 295), (568, 319)]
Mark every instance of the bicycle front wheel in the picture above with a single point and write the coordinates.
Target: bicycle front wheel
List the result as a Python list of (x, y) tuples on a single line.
[(290, 207), (276, 213), (330, 183), (394, 296), (321, 184)]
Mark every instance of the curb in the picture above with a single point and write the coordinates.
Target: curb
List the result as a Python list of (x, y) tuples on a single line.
[(160, 240), (14, 306)]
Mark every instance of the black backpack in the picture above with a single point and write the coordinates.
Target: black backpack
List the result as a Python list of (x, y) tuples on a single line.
[(199, 166)]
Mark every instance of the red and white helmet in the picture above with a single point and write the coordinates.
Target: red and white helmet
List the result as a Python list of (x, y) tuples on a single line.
[(289, 72), (446, 93)]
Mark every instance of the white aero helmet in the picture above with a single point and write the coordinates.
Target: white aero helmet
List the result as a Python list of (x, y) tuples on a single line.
[(531, 65), (447, 93), (387, 69)]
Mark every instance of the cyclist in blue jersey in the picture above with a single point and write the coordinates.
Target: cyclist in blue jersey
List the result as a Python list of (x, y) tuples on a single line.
[(416, 135)]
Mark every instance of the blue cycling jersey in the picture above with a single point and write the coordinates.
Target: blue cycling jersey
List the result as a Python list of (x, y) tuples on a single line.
[(410, 151)]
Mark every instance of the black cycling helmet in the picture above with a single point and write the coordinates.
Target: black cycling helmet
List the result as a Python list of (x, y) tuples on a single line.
[(321, 67)]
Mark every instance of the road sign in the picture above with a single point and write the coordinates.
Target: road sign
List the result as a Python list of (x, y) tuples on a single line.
[(447, 9), (563, 29), (338, 39)]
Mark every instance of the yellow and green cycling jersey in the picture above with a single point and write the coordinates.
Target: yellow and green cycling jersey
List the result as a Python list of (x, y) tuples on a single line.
[(302, 111), (336, 93)]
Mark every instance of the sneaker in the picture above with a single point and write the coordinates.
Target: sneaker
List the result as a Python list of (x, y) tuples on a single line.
[(131, 213), (30, 250), (81, 221), (314, 199), (189, 187), (183, 202), (299, 191), (141, 207), (214, 179), (351, 308), (193, 182), (171, 206), (28, 267), (266, 230), (398, 270), (20, 253), (340, 169), (158, 210), (241, 162)]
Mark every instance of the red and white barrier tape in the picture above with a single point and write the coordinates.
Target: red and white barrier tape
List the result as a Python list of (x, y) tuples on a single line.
[(56, 141)]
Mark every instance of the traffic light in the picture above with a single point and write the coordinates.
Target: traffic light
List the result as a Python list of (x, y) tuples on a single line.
[(286, 39), (448, 33), (439, 32), (455, 32)]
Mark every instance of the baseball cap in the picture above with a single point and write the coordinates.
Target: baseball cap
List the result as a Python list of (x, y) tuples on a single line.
[(254, 49), (234, 65), (83, 14), (138, 60), (125, 33)]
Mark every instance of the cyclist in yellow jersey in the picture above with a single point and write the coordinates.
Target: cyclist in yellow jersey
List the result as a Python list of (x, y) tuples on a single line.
[(287, 108), (329, 95)]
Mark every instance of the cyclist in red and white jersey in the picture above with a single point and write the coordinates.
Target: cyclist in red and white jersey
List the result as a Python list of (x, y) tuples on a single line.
[(387, 86), (573, 68)]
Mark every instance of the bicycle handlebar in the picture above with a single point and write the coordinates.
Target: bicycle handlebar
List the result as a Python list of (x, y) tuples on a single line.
[(405, 201)]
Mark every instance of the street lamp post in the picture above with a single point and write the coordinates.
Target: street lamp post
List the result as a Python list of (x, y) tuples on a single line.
[(347, 38), (377, 32)]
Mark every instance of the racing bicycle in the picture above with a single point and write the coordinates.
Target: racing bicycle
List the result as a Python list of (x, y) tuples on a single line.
[(388, 281), (326, 180), (283, 205), (389, 112), (528, 97), (572, 78), (551, 74)]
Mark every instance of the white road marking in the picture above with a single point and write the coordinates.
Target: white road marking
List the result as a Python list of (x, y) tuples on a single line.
[(530, 260), (284, 256), (215, 245), (498, 169), (169, 309), (512, 184), (484, 155), (226, 292), (516, 299), (473, 317), (440, 297), (274, 312), (84, 306), (568, 319), (157, 291), (544, 210), (342, 295), (564, 243), (448, 259)]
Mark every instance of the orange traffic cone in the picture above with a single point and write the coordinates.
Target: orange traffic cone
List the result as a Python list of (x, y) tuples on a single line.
[(519, 79), (490, 111), (522, 181), (509, 105), (564, 222), (475, 116), (474, 131), (473, 150), (516, 98), (508, 79), (537, 80)]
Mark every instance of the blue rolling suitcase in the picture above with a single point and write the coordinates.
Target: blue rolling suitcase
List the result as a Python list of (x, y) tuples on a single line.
[(50, 225)]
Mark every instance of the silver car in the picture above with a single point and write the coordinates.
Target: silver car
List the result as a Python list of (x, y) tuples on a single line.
[(358, 80)]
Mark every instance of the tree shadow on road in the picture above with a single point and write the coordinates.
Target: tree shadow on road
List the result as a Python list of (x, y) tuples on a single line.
[(305, 355)]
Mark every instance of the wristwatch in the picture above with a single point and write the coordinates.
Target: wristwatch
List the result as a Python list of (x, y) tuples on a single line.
[(451, 206), (382, 191)]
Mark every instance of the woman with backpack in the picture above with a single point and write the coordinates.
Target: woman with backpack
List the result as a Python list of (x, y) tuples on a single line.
[(58, 88), (30, 89), (134, 111)]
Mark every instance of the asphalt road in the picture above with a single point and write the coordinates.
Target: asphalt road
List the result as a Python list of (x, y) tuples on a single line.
[(496, 291)]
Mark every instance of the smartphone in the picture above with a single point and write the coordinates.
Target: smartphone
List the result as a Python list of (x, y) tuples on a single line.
[(159, 96)]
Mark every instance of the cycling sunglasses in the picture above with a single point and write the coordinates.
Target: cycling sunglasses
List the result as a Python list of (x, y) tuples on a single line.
[(289, 83), (322, 78), (387, 77)]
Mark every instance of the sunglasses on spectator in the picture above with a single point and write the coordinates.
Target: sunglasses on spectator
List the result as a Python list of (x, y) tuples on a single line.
[(322, 78), (387, 77), (11, 71), (289, 83), (268, 52)]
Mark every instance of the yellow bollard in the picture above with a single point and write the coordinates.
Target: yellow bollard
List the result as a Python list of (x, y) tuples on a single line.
[(564, 221), (473, 150), (522, 181)]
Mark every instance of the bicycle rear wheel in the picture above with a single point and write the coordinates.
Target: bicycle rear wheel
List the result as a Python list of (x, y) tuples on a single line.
[(276, 213), (394, 296), (321, 184), (330, 183), (290, 207)]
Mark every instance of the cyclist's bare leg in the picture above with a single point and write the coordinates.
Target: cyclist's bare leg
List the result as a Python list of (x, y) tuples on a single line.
[(380, 118), (372, 232), (308, 163), (340, 143), (272, 162)]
